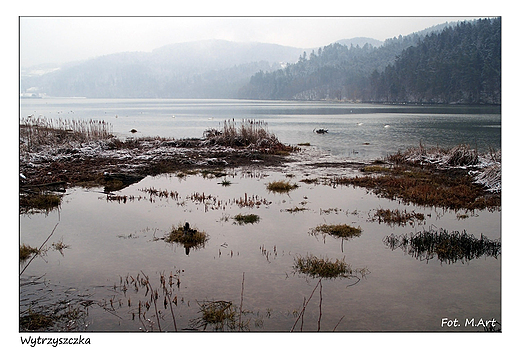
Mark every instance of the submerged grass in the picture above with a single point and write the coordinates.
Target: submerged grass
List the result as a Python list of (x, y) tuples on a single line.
[(39, 202), (62, 316), (33, 321), (448, 247), (397, 217), (219, 314)]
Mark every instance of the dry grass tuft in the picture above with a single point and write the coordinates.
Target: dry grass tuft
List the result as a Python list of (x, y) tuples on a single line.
[(219, 314), (188, 237), (26, 252), (325, 268), (39, 202), (281, 186), (243, 219), (249, 133), (340, 230)]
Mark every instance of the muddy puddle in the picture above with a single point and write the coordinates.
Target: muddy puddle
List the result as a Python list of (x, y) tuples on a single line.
[(116, 271)]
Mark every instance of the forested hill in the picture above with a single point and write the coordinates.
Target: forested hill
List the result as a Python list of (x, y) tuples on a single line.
[(460, 64)]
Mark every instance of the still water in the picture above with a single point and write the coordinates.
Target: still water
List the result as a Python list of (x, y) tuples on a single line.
[(109, 242), (358, 131)]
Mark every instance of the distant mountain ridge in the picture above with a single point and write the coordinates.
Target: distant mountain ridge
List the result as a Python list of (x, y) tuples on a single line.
[(182, 70), (224, 69)]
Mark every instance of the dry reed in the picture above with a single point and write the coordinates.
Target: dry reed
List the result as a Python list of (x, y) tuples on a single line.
[(38, 132)]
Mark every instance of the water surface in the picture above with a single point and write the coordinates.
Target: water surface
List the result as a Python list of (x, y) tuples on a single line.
[(252, 265), (358, 131)]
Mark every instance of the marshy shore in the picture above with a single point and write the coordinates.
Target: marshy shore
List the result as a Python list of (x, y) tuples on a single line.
[(59, 154), (87, 154), (56, 156)]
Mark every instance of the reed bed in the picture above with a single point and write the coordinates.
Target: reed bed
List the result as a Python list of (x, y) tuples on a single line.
[(36, 132), (460, 155), (249, 133), (448, 247)]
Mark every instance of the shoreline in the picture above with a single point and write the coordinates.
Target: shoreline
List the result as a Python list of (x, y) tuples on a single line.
[(431, 177), (54, 155)]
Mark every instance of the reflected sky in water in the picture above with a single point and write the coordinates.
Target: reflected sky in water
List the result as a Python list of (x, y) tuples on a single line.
[(109, 240)]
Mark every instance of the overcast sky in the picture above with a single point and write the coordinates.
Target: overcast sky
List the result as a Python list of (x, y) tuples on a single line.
[(66, 39)]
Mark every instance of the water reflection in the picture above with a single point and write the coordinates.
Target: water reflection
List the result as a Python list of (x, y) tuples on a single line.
[(122, 229), (447, 247)]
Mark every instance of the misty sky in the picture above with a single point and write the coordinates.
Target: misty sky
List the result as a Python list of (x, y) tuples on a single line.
[(66, 39)]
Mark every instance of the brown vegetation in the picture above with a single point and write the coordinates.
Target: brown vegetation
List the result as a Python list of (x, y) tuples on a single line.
[(187, 236), (26, 252), (326, 268), (85, 153), (250, 133), (429, 187), (339, 231), (281, 186)]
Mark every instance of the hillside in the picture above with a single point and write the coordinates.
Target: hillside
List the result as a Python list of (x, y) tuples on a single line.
[(458, 63), (204, 69), (461, 64), (447, 63)]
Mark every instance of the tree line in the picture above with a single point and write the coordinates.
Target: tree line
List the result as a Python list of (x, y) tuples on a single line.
[(460, 64)]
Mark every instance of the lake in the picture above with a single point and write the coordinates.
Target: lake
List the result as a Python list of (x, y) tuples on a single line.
[(109, 245), (357, 131)]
